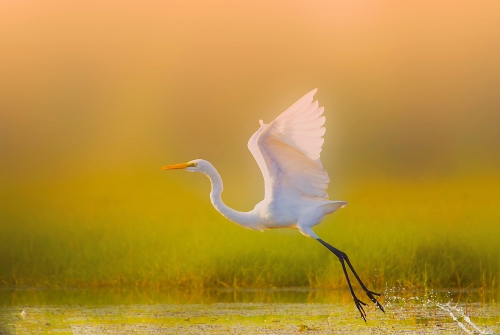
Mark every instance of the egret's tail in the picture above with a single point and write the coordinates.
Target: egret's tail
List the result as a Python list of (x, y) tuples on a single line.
[(332, 206)]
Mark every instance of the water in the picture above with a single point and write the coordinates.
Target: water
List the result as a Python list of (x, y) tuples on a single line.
[(274, 311)]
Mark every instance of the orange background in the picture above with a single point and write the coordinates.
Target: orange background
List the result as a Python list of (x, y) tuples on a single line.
[(411, 89)]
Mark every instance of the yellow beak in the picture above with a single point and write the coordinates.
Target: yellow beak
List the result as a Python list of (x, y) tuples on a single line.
[(175, 166)]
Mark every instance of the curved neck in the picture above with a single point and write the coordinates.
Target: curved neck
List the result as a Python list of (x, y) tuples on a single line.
[(245, 219)]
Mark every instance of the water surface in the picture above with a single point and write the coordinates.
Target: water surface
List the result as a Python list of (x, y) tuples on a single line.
[(274, 311)]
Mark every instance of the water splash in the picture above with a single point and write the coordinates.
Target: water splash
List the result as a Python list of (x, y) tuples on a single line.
[(420, 304), (460, 314)]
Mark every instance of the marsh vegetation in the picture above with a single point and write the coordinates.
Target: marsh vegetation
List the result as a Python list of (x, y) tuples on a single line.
[(434, 235)]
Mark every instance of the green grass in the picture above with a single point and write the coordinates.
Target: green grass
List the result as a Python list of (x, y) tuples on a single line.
[(134, 231)]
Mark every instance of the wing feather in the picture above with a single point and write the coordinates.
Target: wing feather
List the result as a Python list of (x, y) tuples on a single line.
[(288, 151)]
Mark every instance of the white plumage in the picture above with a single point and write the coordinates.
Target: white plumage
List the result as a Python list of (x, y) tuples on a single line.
[(287, 151), (292, 144)]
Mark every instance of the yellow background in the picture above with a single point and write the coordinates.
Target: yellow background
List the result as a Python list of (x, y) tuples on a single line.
[(95, 96)]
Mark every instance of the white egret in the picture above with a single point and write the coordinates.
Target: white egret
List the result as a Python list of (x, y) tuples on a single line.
[(287, 151)]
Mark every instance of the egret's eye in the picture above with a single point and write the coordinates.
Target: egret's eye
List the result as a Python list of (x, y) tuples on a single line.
[(192, 164)]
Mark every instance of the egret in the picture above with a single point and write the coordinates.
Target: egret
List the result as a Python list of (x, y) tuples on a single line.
[(287, 151)]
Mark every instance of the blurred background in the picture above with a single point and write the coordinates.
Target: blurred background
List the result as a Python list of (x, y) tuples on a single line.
[(95, 96)]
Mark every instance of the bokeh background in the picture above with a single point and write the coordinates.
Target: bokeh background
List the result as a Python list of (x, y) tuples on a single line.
[(95, 96)]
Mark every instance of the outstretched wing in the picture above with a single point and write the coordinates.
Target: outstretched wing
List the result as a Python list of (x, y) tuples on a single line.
[(288, 151)]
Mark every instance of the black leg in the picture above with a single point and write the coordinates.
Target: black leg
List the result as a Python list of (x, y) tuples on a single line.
[(344, 259), (369, 293), (359, 304)]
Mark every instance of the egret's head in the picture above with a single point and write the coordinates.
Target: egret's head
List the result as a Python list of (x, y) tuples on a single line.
[(191, 166)]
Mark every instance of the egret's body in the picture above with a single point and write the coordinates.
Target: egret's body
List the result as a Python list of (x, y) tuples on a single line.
[(285, 211), (287, 151)]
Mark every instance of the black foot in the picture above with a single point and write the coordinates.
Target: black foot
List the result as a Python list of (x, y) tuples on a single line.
[(359, 305), (370, 295)]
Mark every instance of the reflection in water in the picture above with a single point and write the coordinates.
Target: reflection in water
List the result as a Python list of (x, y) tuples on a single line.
[(110, 296)]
